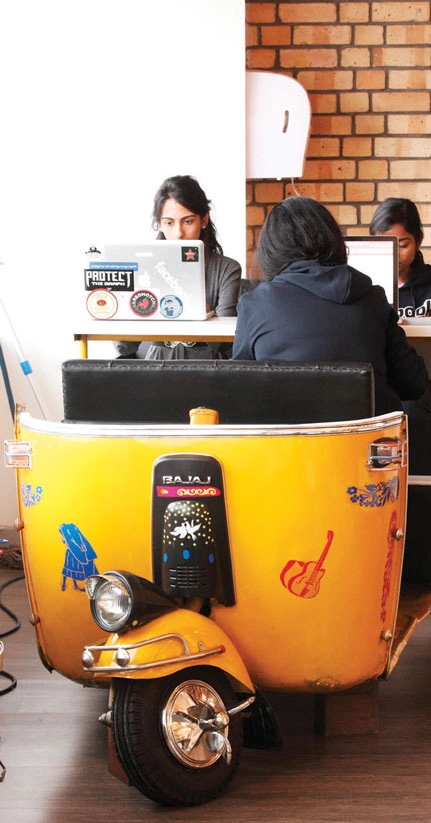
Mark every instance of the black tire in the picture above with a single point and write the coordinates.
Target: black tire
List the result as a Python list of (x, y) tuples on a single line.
[(149, 740)]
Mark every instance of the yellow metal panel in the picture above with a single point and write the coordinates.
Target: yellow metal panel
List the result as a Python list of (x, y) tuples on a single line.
[(304, 620), (201, 636)]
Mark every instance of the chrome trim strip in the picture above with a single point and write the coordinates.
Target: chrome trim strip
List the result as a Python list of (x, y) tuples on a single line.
[(66, 429), (16, 454), (419, 480), (241, 706), (155, 663), (381, 462), (100, 647)]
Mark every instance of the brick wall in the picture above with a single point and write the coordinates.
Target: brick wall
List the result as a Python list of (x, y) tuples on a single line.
[(366, 67)]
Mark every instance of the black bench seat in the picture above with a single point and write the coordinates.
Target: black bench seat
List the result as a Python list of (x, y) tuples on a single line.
[(247, 392)]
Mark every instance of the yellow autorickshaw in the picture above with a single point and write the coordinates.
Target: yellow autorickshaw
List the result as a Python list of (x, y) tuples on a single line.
[(189, 563)]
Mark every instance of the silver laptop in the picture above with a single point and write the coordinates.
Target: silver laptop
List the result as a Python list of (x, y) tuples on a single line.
[(377, 256), (161, 280)]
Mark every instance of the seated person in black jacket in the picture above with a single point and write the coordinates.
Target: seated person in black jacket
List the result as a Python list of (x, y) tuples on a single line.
[(314, 307), (400, 217)]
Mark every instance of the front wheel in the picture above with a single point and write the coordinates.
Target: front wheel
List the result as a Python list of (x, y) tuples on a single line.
[(174, 736)]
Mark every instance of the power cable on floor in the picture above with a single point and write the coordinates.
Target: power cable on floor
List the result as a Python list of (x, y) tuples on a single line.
[(14, 628)]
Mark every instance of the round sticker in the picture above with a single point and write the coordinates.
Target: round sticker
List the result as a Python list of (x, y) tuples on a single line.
[(102, 304), (143, 303), (171, 306)]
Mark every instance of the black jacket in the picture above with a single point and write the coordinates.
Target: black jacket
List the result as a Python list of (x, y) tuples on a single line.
[(310, 312), (415, 295)]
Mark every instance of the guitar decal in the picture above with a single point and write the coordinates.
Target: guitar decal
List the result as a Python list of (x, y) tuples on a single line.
[(306, 582), (375, 494)]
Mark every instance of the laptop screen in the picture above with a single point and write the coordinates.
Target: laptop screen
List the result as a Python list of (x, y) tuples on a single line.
[(160, 280), (377, 256)]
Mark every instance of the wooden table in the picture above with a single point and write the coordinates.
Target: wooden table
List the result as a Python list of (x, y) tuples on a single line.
[(215, 329), (418, 329), (419, 335)]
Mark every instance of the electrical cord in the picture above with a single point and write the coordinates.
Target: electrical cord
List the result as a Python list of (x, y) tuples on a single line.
[(14, 628)]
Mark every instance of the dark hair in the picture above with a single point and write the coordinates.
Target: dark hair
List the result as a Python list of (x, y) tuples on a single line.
[(187, 191), (299, 228), (399, 210)]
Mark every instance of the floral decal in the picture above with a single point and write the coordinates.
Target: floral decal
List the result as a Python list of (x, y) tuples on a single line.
[(375, 494), (29, 496)]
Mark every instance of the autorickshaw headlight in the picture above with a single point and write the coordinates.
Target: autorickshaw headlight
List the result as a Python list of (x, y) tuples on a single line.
[(120, 600), (111, 600)]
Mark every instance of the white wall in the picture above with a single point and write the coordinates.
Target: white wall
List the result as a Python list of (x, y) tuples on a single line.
[(100, 101)]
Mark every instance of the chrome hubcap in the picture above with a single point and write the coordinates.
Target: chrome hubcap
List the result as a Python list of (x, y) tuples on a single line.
[(196, 724)]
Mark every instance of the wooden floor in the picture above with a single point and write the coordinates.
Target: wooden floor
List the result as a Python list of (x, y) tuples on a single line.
[(54, 751)]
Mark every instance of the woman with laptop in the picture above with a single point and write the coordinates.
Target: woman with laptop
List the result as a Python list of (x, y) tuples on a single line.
[(400, 217), (314, 307), (182, 212)]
